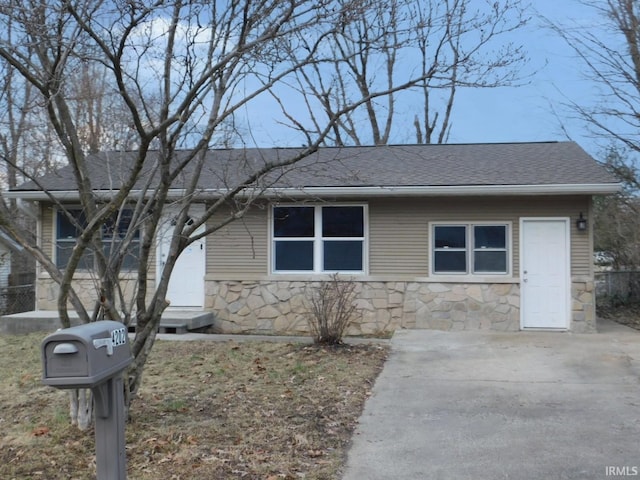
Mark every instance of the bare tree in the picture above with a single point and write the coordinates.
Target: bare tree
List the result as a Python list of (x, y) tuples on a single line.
[(616, 229), (27, 144), (610, 53), (175, 74), (611, 56), (448, 44), (97, 109)]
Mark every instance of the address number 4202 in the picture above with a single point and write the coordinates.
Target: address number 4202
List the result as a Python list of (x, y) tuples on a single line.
[(118, 337)]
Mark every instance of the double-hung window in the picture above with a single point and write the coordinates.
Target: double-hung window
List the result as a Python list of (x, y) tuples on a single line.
[(112, 233), (469, 248), (318, 238)]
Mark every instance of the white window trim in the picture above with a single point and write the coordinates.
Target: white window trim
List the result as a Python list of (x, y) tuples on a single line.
[(470, 249), (317, 239)]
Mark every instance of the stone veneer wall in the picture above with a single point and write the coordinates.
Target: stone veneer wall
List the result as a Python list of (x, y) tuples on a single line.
[(47, 291), (278, 307), (583, 305)]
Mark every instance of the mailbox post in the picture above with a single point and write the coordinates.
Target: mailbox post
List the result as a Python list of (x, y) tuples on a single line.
[(94, 355)]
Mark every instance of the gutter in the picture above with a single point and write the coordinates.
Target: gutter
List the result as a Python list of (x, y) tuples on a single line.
[(368, 191)]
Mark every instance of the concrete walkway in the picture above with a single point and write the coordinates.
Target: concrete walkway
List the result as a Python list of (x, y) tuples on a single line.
[(481, 405)]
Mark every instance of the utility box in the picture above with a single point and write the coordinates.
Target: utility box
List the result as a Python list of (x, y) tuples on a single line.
[(86, 355), (94, 355)]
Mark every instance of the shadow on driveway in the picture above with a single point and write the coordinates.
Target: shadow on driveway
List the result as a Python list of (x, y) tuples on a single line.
[(484, 405)]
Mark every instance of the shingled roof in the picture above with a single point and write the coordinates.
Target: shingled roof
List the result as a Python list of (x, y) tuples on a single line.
[(541, 167)]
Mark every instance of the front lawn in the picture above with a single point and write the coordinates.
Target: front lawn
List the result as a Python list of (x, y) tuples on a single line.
[(214, 410)]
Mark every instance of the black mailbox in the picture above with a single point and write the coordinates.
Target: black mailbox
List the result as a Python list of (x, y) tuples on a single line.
[(86, 355)]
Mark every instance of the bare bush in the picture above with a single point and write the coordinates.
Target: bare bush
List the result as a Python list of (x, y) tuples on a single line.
[(331, 307)]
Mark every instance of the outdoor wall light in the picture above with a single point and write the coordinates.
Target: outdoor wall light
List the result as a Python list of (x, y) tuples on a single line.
[(581, 223)]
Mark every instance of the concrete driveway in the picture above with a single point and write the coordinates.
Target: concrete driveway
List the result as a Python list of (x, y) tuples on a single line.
[(480, 405)]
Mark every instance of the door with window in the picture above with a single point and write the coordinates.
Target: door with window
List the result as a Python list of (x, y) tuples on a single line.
[(545, 273)]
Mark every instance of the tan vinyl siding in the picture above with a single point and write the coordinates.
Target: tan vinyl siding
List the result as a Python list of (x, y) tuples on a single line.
[(398, 233), (48, 231), (397, 238), (399, 228), (240, 248), (582, 242)]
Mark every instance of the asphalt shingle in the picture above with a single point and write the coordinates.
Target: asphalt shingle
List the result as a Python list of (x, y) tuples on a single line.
[(540, 163)]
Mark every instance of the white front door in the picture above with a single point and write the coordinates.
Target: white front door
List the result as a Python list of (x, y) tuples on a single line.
[(186, 286), (545, 273)]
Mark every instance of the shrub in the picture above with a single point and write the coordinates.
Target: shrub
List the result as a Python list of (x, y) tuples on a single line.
[(331, 306)]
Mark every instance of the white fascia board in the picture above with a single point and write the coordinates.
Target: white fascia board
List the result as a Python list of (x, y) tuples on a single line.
[(37, 195), (60, 195), (380, 191), (455, 190), (424, 191)]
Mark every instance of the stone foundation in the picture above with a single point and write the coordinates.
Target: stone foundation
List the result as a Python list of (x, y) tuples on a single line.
[(583, 305), (47, 291), (444, 306), (280, 307)]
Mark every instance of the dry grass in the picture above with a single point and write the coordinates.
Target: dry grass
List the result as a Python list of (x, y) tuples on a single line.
[(205, 410), (628, 315)]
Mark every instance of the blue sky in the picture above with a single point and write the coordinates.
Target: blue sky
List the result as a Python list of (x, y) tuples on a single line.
[(535, 111)]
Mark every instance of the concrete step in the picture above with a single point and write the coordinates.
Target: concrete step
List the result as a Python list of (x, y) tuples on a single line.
[(181, 321), (173, 321)]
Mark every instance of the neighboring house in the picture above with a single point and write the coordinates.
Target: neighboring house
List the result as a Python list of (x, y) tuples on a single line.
[(477, 236), (7, 248)]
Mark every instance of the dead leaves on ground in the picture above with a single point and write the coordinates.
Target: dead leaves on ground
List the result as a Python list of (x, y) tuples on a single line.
[(209, 410), (40, 431)]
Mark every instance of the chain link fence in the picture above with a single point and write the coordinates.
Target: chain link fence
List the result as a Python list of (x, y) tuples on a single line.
[(17, 299), (617, 288), (20, 295)]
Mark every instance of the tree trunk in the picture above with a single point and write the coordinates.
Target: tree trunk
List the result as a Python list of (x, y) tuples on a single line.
[(81, 408)]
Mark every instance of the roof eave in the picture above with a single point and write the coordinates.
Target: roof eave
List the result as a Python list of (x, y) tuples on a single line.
[(369, 191), (448, 190)]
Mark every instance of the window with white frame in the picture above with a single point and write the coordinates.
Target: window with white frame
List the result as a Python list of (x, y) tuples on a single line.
[(318, 238), (470, 248), (69, 227)]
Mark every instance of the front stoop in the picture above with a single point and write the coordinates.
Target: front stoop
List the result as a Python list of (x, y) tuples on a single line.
[(178, 321), (34, 321), (181, 321)]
